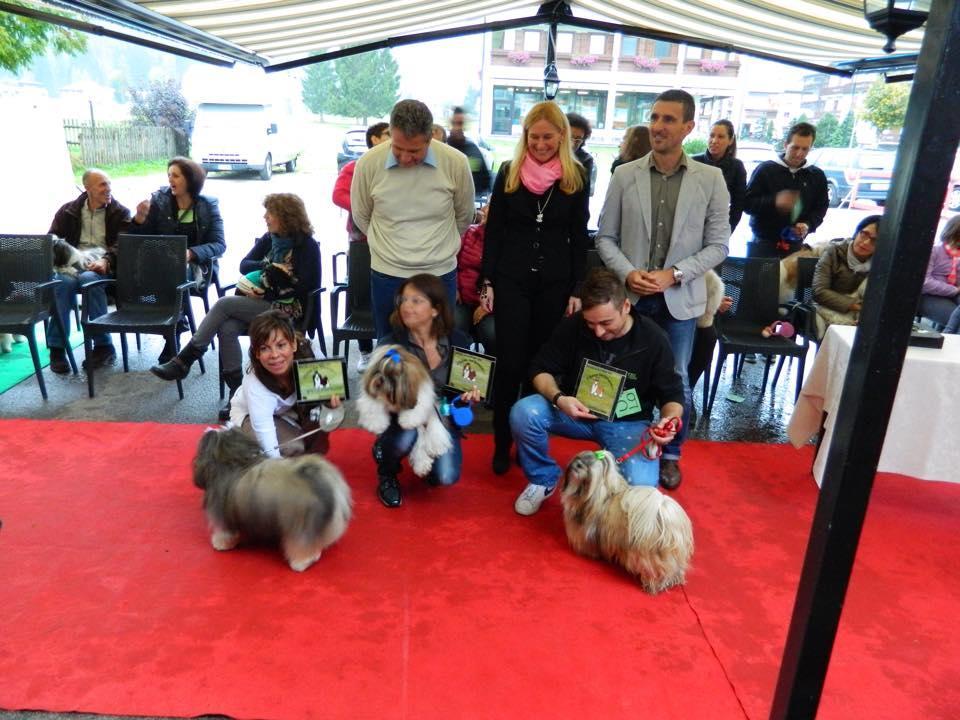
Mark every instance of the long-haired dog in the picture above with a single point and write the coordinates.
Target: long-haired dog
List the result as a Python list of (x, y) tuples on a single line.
[(396, 382), (635, 526), (68, 260), (303, 503)]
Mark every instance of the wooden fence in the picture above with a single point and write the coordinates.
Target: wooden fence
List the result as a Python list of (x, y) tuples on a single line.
[(121, 143)]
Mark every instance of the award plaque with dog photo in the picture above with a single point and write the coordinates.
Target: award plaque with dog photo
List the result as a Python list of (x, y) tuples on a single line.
[(598, 388), (469, 370), (321, 379)]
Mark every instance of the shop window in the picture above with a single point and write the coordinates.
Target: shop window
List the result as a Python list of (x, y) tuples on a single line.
[(531, 40)]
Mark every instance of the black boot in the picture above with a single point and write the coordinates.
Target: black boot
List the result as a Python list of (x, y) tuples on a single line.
[(233, 379), (178, 367)]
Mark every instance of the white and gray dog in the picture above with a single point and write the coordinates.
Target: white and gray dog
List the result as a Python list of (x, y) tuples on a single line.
[(303, 503), (635, 526)]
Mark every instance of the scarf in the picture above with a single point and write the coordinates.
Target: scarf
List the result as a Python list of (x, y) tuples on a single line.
[(280, 247), (954, 253), (538, 178), (858, 266)]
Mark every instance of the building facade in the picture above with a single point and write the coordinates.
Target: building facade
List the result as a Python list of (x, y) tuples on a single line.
[(610, 79)]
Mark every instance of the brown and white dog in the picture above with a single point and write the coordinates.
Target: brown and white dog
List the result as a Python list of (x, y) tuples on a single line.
[(635, 526), (303, 502), (396, 382)]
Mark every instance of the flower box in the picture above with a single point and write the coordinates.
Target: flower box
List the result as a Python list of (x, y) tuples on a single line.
[(583, 60), (646, 63), (712, 66), (519, 57)]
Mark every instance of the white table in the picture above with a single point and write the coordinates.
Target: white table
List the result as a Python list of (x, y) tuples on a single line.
[(923, 436)]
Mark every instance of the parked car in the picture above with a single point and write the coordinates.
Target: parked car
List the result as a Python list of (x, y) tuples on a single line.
[(752, 153), (354, 145), (244, 136), (856, 172)]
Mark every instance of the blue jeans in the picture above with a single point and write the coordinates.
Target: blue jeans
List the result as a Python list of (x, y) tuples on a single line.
[(383, 291), (953, 324), (682, 334), (533, 419), (396, 443), (66, 293)]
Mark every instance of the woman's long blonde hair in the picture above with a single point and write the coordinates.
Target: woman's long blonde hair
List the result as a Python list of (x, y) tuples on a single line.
[(572, 179)]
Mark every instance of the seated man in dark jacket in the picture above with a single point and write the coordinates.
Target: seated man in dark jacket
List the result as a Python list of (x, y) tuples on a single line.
[(91, 224), (608, 331)]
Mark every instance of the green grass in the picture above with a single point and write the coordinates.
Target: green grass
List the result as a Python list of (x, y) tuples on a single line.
[(131, 169)]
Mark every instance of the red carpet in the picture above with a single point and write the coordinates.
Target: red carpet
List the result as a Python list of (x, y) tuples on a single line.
[(452, 606)]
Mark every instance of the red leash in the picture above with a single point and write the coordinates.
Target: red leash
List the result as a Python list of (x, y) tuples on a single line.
[(650, 449)]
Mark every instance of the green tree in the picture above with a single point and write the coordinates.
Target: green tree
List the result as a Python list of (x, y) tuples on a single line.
[(827, 129), (845, 131), (22, 39), (886, 105), (768, 131), (368, 85), (320, 89), (162, 104)]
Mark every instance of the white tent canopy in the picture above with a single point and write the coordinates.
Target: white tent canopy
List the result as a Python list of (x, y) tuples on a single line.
[(274, 32)]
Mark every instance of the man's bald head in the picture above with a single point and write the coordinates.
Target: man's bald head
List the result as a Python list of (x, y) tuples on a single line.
[(97, 184)]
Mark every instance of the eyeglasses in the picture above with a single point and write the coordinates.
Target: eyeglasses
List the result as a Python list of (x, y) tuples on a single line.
[(868, 236), (576, 140)]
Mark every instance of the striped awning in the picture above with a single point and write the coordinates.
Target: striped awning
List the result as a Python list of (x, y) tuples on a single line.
[(285, 32)]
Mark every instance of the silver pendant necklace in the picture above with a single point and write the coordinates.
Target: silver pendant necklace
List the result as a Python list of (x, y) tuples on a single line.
[(546, 202)]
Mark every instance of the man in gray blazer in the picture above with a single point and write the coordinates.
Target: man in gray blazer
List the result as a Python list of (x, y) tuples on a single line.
[(665, 222)]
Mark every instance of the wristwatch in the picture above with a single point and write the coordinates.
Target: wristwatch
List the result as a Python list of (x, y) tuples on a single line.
[(556, 399), (677, 275)]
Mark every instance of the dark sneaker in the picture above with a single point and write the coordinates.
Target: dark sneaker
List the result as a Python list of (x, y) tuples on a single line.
[(388, 490), (101, 355), (670, 474), (58, 361)]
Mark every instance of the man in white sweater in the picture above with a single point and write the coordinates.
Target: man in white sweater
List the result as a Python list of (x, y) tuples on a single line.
[(413, 199)]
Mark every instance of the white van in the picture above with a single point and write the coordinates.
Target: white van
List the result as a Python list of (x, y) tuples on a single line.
[(243, 136)]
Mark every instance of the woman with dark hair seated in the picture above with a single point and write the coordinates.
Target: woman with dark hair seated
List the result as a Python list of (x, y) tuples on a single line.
[(180, 209), (840, 278), (280, 272), (265, 406), (423, 324), (940, 301)]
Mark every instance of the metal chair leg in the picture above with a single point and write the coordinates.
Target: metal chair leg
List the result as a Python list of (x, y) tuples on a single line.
[(35, 355), (88, 353)]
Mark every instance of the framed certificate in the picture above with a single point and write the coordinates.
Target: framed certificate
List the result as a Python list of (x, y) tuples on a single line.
[(321, 379), (598, 388), (469, 370)]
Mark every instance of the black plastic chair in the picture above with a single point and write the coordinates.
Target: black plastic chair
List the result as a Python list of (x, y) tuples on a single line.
[(754, 285), (800, 311), (358, 308), (150, 289), (26, 293)]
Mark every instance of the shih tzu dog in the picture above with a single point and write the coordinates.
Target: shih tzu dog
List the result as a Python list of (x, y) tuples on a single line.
[(303, 502), (634, 526), (68, 260), (396, 382)]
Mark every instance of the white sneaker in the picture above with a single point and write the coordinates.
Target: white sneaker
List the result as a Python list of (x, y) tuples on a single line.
[(532, 498), (363, 361)]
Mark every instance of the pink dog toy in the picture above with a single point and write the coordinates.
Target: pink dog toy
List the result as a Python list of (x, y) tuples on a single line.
[(780, 327)]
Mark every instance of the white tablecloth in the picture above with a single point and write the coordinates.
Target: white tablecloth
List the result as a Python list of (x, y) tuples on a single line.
[(923, 435)]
